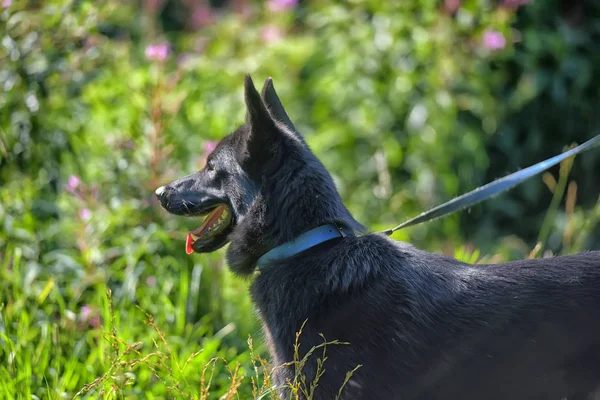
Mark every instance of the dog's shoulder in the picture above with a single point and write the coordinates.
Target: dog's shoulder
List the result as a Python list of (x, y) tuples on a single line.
[(357, 261)]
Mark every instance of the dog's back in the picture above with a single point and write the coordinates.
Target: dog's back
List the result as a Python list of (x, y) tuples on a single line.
[(424, 326)]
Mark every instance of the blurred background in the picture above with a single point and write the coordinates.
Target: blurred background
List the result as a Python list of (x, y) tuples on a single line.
[(407, 103)]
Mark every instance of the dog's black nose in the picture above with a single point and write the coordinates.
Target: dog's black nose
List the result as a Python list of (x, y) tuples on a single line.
[(160, 192)]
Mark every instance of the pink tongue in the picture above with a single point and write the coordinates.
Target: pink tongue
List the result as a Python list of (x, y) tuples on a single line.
[(211, 219), (188, 244)]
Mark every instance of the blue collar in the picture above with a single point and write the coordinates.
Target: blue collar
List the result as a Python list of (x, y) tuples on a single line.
[(303, 242)]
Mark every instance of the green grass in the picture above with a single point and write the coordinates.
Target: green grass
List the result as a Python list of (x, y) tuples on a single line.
[(52, 353)]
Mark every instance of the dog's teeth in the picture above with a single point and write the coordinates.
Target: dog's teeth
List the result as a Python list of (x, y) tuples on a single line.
[(215, 227)]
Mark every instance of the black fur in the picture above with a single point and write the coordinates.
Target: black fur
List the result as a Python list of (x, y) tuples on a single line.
[(423, 326)]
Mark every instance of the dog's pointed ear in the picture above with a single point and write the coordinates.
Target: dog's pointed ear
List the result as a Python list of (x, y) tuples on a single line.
[(261, 129), (257, 115), (271, 100)]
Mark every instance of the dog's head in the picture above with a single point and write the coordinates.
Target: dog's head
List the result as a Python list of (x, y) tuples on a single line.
[(224, 190)]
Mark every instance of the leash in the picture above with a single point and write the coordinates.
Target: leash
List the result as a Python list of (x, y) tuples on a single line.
[(493, 188)]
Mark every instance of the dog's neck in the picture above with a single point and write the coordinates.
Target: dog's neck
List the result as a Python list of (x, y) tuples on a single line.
[(305, 241), (291, 201)]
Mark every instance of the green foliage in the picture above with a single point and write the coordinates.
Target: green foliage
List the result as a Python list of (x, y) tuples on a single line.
[(403, 101), (546, 97)]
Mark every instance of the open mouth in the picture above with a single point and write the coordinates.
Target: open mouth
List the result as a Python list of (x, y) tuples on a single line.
[(212, 232)]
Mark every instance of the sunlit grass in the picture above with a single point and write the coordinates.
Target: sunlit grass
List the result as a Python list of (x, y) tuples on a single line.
[(51, 352)]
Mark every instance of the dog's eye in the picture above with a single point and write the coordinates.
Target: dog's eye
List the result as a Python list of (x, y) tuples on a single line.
[(210, 167)]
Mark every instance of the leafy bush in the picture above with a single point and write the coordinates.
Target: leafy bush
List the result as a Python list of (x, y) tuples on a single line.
[(407, 104)]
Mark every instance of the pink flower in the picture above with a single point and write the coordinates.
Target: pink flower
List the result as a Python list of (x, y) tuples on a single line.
[(151, 281), (6, 3), (90, 317), (241, 7), (451, 5), (95, 321), (209, 146), (86, 311), (282, 5), (72, 183), (94, 192), (270, 33), (494, 40), (515, 3), (85, 214), (152, 5), (157, 52), (201, 16)]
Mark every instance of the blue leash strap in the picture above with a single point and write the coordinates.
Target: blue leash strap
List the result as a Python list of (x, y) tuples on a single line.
[(493, 188)]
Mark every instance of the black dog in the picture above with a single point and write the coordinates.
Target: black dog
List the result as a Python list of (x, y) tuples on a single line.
[(423, 326)]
